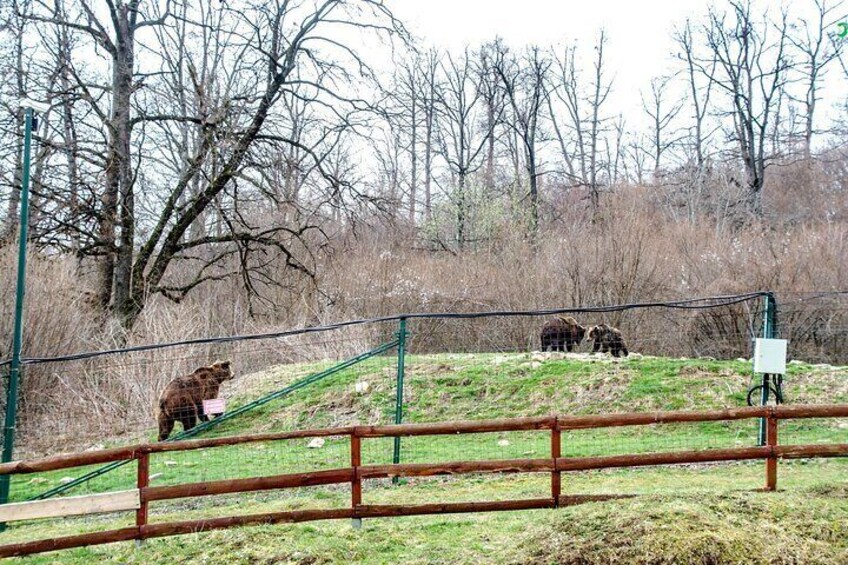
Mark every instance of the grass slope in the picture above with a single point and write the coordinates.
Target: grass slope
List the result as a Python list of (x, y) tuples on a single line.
[(689, 515)]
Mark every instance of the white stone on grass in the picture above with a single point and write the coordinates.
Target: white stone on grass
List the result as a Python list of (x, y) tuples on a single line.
[(362, 387)]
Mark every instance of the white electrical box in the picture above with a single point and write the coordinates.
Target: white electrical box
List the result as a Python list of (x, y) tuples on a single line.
[(770, 356)]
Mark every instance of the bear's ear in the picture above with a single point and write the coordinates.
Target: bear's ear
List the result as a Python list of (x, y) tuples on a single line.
[(221, 365)]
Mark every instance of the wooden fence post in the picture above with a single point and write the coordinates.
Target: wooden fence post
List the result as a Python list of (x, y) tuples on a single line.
[(771, 462), (356, 484), (142, 482), (556, 453)]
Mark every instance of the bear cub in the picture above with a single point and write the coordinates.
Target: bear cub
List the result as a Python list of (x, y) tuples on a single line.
[(608, 339)]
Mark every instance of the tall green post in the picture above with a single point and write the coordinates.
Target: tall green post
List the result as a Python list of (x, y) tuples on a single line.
[(17, 336), (401, 361), (769, 332)]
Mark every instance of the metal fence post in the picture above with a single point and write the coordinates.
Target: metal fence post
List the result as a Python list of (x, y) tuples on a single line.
[(769, 332), (17, 337), (401, 362)]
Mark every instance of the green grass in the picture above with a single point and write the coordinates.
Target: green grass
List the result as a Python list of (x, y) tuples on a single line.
[(463, 386), (700, 514), (466, 386)]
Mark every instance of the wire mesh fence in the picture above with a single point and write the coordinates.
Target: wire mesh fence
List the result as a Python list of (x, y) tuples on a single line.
[(692, 354)]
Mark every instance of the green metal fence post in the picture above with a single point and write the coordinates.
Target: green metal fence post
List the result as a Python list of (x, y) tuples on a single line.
[(401, 362), (17, 337), (769, 332)]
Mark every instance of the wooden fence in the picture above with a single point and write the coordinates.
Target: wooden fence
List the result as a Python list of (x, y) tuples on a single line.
[(139, 498)]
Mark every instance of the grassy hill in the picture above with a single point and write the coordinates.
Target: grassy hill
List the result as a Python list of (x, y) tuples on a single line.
[(704, 514)]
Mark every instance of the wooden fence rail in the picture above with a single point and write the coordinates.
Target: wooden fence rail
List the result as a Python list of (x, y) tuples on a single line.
[(139, 499)]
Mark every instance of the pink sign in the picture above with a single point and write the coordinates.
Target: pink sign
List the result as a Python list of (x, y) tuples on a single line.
[(214, 406)]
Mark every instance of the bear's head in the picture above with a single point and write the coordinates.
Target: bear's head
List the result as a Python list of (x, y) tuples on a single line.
[(598, 332), (581, 332), (222, 371)]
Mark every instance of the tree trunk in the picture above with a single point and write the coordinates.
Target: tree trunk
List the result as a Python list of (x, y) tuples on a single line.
[(121, 181)]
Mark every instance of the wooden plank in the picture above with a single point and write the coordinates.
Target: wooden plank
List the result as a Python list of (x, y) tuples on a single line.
[(468, 426), (387, 510), (457, 468), (68, 542), (71, 506), (288, 517), (575, 499), (784, 412), (57, 462), (71, 460), (809, 451), (187, 445), (647, 418)]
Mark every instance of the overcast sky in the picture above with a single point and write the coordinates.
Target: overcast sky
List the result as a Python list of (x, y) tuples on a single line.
[(640, 33)]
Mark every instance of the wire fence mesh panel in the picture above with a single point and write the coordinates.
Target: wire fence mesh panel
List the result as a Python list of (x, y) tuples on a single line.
[(659, 438), (717, 327), (814, 430), (685, 355), (473, 487), (241, 504), (700, 478), (32, 530), (118, 477), (254, 459), (816, 325), (462, 447), (115, 399)]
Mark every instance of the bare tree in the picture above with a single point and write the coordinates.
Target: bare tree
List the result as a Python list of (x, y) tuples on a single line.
[(429, 99), (226, 129), (662, 113), (700, 88), (525, 85), (489, 85), (14, 66), (816, 52), (582, 154), (751, 70), (461, 143)]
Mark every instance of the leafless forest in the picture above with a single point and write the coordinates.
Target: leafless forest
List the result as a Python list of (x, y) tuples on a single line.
[(225, 167)]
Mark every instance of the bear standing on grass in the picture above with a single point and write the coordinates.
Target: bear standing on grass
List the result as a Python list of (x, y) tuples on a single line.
[(182, 399), (562, 334), (606, 339)]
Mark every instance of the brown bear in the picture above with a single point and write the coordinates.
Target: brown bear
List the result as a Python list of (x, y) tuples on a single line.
[(607, 339), (561, 334), (182, 399)]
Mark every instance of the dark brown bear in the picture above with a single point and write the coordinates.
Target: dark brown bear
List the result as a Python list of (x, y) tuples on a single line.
[(607, 339), (562, 334), (182, 400)]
